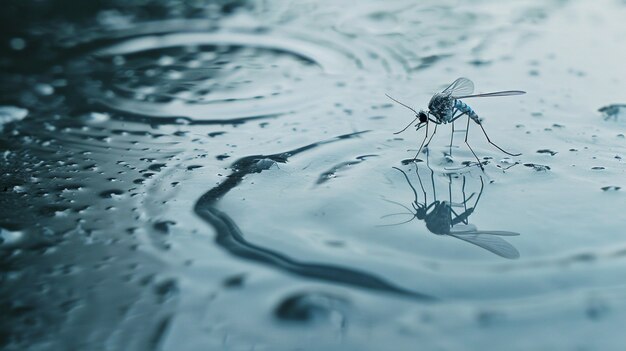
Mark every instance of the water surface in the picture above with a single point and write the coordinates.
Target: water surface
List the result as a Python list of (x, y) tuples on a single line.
[(227, 177)]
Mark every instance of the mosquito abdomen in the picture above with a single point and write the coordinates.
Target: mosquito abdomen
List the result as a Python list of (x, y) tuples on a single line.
[(463, 107)]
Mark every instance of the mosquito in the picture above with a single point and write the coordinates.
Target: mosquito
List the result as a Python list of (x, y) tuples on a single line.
[(446, 107), (442, 218)]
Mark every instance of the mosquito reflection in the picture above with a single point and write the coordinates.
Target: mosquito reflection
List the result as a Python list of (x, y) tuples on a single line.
[(445, 217)]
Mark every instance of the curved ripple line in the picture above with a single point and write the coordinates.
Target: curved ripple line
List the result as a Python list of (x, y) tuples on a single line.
[(330, 61), (230, 237)]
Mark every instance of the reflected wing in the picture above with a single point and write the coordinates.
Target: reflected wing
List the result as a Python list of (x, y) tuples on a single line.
[(469, 229), (494, 94), (463, 228), (490, 243), (459, 87)]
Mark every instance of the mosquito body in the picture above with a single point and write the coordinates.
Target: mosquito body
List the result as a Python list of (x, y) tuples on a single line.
[(441, 218), (446, 107)]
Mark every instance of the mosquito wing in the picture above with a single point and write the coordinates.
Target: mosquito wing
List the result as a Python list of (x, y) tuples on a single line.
[(491, 243), (461, 86), (494, 94)]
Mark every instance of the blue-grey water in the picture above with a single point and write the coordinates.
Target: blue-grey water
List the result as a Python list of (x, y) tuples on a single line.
[(225, 176)]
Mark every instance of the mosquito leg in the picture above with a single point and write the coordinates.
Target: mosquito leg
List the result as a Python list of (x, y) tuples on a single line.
[(423, 141), (468, 145), (492, 143), (431, 136), (451, 139), (452, 122)]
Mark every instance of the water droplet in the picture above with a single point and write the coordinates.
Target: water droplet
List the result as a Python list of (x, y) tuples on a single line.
[(111, 193), (10, 114), (166, 289), (235, 281), (95, 117), (17, 44), (310, 306), (44, 89), (8, 237)]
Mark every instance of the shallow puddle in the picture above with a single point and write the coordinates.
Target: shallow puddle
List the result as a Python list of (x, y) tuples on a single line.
[(228, 177)]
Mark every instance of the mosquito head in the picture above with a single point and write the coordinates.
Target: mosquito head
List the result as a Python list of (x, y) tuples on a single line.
[(423, 116)]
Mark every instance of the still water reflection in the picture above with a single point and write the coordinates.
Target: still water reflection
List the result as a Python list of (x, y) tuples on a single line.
[(441, 218)]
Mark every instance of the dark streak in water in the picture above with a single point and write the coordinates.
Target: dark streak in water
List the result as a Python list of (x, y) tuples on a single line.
[(546, 151), (428, 61), (157, 337), (163, 120), (326, 176), (537, 167), (230, 237)]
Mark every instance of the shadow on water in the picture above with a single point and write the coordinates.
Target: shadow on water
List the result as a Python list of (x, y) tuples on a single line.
[(445, 217), (230, 237)]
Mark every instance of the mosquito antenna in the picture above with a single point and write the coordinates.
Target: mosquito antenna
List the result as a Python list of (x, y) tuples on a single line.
[(407, 126), (394, 224), (410, 108), (405, 105)]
